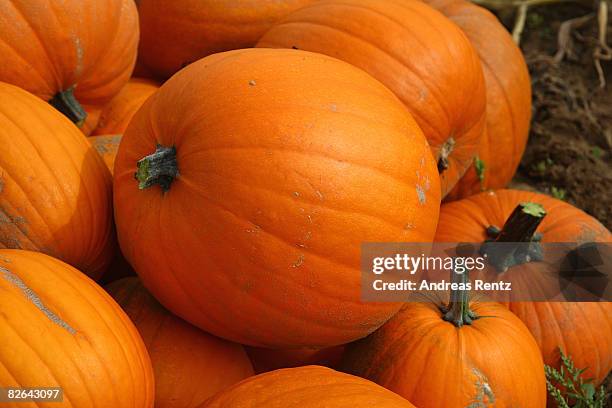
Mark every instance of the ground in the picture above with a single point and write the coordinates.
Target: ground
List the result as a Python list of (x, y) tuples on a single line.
[(569, 153)]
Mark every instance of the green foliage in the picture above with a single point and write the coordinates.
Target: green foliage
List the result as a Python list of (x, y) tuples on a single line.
[(596, 152), (543, 165), (480, 167), (569, 389), (534, 20), (558, 193)]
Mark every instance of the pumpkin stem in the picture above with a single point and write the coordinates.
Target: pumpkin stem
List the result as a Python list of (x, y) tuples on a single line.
[(67, 104), (520, 229), (445, 151), (160, 168), (458, 310)]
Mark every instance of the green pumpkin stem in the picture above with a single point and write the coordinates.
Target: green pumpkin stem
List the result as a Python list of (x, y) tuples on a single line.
[(519, 228), (160, 168), (458, 310), (67, 104)]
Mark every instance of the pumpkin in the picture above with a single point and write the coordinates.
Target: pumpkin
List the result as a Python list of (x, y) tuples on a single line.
[(409, 47), (264, 359), (306, 387), (253, 193), (508, 88), (107, 147), (179, 32), (582, 330), (116, 115), (189, 365), (483, 353), (55, 191), (75, 54), (60, 329)]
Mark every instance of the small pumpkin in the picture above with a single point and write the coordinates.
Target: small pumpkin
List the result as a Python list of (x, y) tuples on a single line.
[(179, 32), (107, 147), (117, 114), (582, 330), (75, 54), (483, 353), (60, 329), (189, 365), (409, 47), (55, 191), (264, 359), (306, 387), (508, 89), (253, 193)]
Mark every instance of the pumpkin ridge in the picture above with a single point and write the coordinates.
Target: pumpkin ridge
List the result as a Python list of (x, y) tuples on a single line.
[(40, 41), (42, 361), (34, 147), (106, 297), (278, 237), (194, 300), (312, 202), (115, 30), (85, 186), (387, 53), (37, 72), (315, 155), (269, 305), (77, 368), (16, 224), (33, 298), (592, 341), (318, 108), (378, 363), (290, 245)]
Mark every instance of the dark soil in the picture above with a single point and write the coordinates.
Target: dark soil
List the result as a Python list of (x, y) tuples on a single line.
[(569, 154)]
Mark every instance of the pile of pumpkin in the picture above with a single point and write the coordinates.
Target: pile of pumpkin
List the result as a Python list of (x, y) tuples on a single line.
[(285, 134)]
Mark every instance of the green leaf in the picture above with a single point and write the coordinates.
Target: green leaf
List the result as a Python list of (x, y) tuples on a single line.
[(480, 167), (569, 379), (588, 390)]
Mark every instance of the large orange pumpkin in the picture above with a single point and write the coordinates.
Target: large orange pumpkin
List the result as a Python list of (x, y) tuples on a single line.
[(425, 59), (107, 147), (60, 329), (190, 365), (508, 97), (463, 354), (117, 114), (75, 54), (306, 387), (178, 32), (582, 330), (55, 191), (259, 174), (264, 359)]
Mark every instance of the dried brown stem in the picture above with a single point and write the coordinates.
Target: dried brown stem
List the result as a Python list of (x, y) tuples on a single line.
[(564, 36), (603, 50)]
